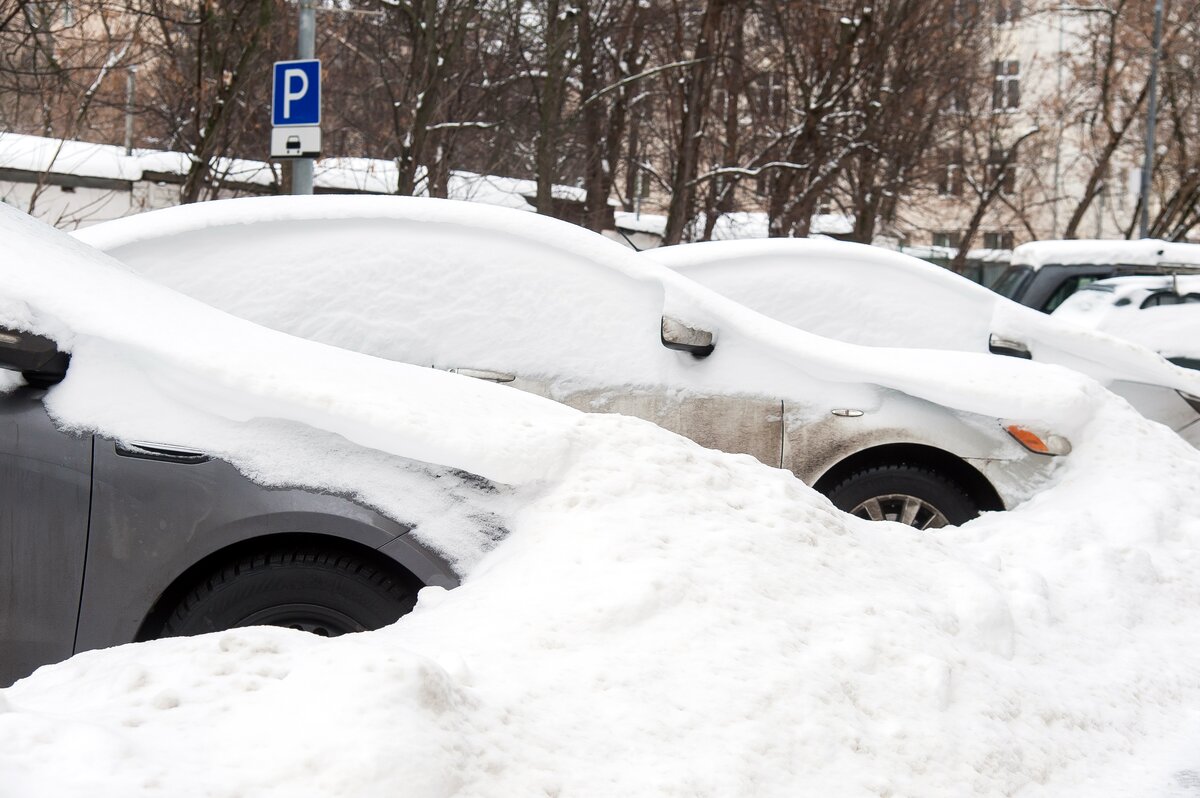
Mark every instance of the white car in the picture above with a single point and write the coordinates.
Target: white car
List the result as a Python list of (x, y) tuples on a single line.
[(1161, 313), (1043, 274), (868, 295), (926, 438)]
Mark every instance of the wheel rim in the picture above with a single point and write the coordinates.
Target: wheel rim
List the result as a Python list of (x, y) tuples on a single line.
[(312, 618), (902, 508)]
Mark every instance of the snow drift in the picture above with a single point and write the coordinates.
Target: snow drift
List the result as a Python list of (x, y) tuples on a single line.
[(662, 620)]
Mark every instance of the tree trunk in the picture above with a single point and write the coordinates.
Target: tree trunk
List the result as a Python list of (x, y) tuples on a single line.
[(695, 109)]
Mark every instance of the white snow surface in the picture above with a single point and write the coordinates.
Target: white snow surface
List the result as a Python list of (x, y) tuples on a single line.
[(662, 620), (1140, 252), (1170, 330), (150, 364), (371, 175), (457, 285), (868, 295), (86, 159)]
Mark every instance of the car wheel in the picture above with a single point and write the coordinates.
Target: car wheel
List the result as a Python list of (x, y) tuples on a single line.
[(316, 591), (907, 494)]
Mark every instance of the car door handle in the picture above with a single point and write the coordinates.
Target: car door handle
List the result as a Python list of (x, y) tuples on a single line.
[(484, 374), (161, 452)]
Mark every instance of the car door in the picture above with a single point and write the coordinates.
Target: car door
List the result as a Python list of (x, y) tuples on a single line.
[(45, 491)]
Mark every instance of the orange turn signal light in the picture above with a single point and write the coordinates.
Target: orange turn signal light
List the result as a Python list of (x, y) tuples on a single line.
[(1038, 444)]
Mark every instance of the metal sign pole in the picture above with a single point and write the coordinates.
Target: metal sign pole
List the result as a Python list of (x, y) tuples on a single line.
[(1151, 121), (302, 168)]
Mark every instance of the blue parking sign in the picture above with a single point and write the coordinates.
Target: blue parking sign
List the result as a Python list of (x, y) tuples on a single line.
[(296, 97)]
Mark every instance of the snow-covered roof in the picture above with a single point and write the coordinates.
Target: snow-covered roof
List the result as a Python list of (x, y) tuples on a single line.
[(84, 159), (38, 154), (980, 254), (732, 226), (654, 224), (367, 175), (1142, 252)]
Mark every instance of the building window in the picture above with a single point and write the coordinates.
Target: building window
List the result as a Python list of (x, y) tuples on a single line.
[(1007, 174), (1008, 11), (1002, 239), (950, 174), (947, 238), (1006, 89)]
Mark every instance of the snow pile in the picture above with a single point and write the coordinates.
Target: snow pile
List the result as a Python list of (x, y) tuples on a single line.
[(666, 620), (661, 620)]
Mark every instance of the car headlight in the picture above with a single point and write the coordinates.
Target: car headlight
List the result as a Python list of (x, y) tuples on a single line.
[(1039, 442)]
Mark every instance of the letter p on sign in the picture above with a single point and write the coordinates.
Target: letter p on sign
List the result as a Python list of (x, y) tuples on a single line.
[(293, 78)]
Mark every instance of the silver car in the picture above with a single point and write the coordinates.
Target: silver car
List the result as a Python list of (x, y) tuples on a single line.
[(869, 295), (553, 309)]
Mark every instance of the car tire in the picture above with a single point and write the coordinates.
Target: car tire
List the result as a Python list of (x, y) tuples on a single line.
[(908, 494), (316, 591)]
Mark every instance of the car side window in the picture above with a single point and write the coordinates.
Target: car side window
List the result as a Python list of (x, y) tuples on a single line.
[(1067, 287), (1160, 298)]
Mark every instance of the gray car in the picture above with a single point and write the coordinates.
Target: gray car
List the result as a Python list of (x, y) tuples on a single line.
[(103, 543)]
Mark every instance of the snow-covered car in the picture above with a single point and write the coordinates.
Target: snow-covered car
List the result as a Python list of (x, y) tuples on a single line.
[(1161, 313), (555, 310), (1043, 274), (129, 511), (868, 295)]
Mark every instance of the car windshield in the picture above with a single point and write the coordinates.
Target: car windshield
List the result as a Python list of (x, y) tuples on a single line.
[(1012, 282)]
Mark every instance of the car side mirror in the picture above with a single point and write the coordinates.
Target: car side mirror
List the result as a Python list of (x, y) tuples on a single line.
[(1007, 346), (35, 356), (679, 336)]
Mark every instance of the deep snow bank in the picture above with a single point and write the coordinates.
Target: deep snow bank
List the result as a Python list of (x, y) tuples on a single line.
[(668, 620), (662, 619)]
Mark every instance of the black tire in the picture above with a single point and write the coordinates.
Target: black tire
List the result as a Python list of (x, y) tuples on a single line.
[(891, 492), (316, 591)]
